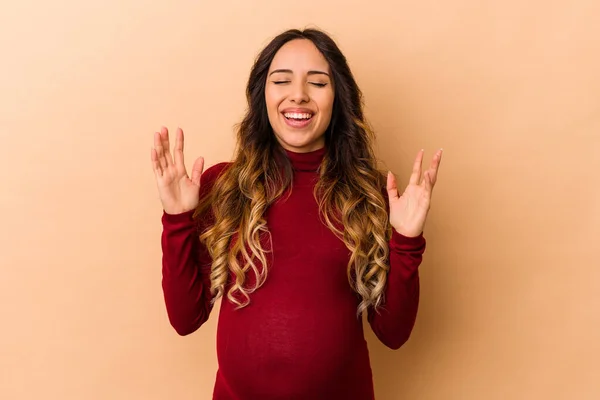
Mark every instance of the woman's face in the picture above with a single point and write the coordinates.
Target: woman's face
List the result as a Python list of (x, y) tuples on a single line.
[(299, 94)]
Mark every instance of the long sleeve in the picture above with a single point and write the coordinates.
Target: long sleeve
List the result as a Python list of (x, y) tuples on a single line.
[(394, 322), (186, 267)]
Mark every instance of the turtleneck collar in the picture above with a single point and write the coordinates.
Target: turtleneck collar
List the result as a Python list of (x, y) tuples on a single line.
[(308, 162)]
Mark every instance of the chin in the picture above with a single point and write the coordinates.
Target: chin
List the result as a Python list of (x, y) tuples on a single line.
[(300, 143)]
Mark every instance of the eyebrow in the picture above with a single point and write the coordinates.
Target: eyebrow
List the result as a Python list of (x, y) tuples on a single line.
[(289, 71)]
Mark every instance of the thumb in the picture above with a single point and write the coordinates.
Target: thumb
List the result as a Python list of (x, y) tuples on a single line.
[(197, 169), (392, 189)]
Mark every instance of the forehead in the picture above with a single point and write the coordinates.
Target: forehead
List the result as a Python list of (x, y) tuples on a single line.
[(299, 55)]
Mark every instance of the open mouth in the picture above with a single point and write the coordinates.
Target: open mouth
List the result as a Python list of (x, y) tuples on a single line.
[(298, 120), (299, 117)]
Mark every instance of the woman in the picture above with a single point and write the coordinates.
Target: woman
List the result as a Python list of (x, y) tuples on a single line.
[(299, 234)]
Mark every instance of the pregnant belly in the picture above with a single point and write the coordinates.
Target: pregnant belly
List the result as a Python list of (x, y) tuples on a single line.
[(277, 350)]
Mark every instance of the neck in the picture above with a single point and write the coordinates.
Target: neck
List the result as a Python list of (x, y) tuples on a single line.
[(308, 162)]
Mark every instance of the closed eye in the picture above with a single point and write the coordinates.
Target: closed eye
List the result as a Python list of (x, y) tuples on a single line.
[(318, 84)]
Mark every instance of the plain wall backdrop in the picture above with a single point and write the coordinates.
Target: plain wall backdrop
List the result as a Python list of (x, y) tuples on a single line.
[(510, 305)]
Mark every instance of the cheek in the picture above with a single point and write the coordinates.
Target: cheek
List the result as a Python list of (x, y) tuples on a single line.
[(326, 103), (268, 99), (269, 93), (272, 101)]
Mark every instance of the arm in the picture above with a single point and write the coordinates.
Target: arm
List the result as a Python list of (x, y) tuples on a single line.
[(394, 321), (186, 266), (407, 212)]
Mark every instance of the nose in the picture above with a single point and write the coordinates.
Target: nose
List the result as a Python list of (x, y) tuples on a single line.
[(299, 93)]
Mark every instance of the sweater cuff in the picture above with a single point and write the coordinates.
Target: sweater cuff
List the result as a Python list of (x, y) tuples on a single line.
[(184, 217), (399, 242)]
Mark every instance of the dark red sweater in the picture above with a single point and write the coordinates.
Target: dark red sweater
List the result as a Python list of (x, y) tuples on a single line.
[(299, 338)]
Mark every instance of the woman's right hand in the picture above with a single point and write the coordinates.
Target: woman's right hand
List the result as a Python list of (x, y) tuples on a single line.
[(178, 192)]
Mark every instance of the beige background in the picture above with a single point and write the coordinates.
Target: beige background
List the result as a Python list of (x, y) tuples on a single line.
[(511, 90)]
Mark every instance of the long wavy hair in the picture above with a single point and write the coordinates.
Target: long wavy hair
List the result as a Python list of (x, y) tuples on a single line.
[(350, 190)]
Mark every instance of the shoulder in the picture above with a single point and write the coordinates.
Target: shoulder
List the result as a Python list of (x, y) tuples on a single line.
[(207, 182), (210, 175)]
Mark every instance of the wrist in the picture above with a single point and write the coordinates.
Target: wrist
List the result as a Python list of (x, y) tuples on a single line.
[(409, 233)]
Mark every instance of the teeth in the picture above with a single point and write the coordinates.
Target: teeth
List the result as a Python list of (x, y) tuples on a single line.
[(298, 115)]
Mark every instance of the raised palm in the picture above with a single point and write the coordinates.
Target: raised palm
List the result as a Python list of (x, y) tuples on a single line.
[(178, 192), (408, 211)]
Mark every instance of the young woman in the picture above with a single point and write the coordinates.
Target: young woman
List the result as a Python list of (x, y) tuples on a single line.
[(298, 235)]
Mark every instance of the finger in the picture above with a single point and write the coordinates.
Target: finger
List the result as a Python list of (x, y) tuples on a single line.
[(197, 170), (155, 163), (178, 150), (427, 183), (435, 165), (159, 150), (157, 144), (392, 187), (164, 135), (416, 171)]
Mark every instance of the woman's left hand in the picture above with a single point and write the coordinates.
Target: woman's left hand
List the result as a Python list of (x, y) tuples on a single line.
[(408, 211)]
